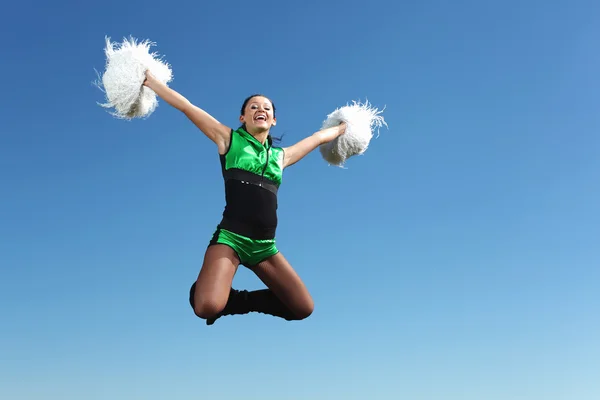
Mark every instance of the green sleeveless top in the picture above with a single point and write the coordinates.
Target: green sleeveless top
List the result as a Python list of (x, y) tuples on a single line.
[(247, 154), (252, 173)]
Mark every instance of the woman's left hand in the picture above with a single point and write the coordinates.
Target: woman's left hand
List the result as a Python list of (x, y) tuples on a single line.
[(329, 134)]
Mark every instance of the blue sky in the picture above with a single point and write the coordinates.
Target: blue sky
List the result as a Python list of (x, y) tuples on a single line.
[(457, 259)]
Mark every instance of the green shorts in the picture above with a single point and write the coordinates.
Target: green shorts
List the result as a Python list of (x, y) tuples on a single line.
[(249, 251)]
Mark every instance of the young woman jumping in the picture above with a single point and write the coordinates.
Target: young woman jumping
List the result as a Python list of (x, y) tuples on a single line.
[(252, 169)]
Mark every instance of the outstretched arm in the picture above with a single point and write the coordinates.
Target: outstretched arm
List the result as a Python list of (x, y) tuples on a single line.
[(295, 153), (213, 129)]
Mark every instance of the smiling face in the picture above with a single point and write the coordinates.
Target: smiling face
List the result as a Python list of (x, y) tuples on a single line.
[(258, 114)]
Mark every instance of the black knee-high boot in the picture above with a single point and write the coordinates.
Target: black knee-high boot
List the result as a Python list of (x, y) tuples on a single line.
[(262, 301), (243, 302)]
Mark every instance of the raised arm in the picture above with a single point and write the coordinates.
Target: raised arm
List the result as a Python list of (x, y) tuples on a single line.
[(213, 129), (296, 152)]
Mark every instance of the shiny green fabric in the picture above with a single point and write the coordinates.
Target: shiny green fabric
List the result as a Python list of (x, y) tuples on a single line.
[(247, 153), (249, 251)]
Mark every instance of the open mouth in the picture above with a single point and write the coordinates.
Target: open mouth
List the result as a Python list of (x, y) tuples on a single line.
[(260, 117)]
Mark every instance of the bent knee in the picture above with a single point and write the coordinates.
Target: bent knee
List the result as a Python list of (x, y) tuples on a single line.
[(207, 308), (204, 307), (304, 311)]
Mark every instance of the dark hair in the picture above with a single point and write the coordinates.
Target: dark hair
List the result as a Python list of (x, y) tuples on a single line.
[(247, 100), (253, 96)]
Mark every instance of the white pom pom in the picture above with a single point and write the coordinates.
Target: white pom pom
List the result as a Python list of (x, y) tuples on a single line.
[(123, 79), (360, 119)]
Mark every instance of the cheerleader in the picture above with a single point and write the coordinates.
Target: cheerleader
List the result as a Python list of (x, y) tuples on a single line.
[(246, 235)]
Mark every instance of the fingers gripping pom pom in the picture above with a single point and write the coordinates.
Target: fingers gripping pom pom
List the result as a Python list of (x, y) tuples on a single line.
[(361, 120), (122, 81)]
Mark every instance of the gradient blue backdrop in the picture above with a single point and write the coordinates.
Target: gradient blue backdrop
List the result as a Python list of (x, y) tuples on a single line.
[(457, 259)]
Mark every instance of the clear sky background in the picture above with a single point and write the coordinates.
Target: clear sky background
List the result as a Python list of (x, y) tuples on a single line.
[(457, 259)]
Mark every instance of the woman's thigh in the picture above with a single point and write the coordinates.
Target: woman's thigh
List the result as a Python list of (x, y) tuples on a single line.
[(279, 276), (214, 281)]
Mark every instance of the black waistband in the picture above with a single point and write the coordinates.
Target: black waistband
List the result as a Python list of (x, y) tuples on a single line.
[(251, 178), (248, 230)]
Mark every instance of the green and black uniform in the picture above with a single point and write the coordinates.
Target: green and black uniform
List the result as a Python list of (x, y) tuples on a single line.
[(252, 173)]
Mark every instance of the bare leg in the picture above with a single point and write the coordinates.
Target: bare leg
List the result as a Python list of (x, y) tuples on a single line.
[(210, 293), (286, 296), (281, 279)]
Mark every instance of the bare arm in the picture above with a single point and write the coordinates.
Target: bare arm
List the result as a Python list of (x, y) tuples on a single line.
[(213, 129), (298, 151)]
